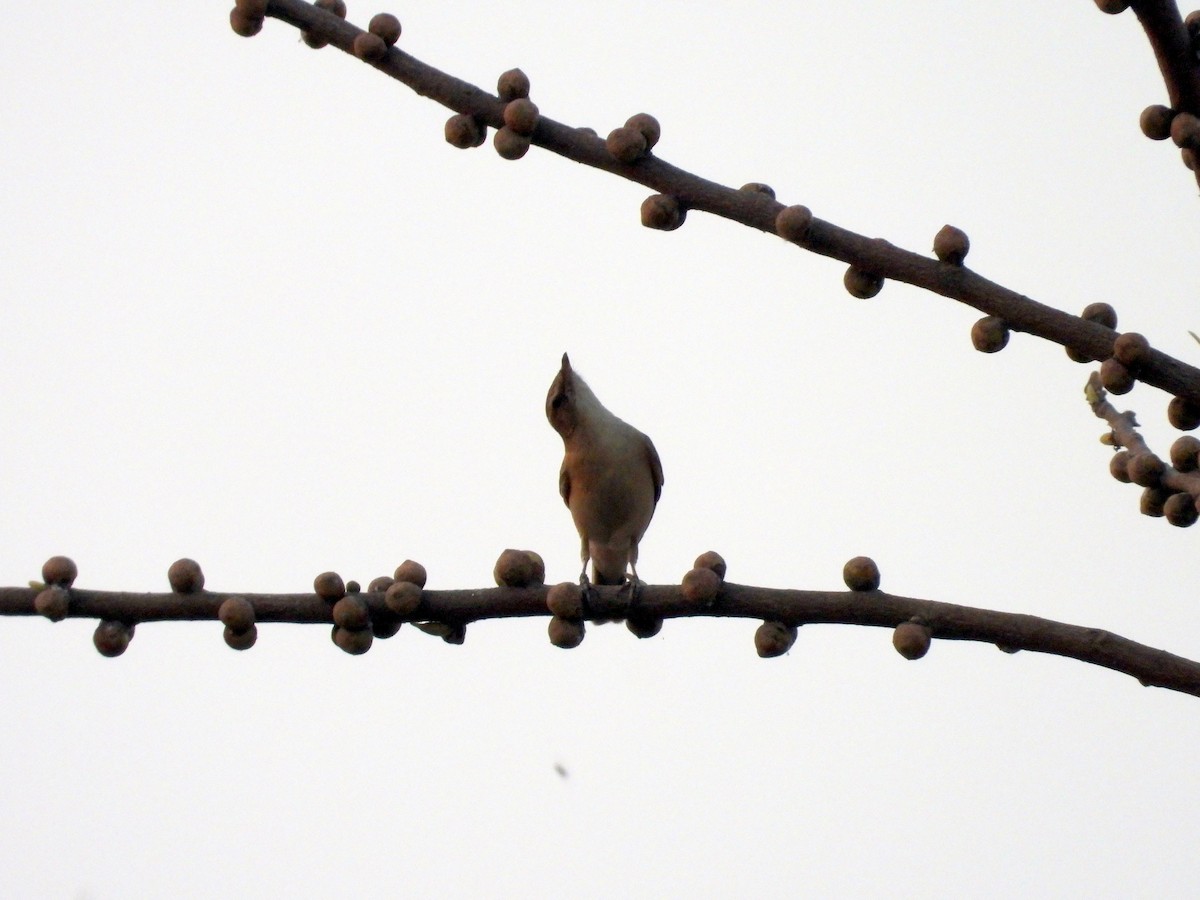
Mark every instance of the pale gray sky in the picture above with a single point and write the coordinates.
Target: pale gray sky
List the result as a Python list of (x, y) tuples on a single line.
[(256, 311)]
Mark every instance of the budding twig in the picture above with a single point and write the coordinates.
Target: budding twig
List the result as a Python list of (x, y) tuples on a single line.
[(758, 209), (1172, 490), (360, 616)]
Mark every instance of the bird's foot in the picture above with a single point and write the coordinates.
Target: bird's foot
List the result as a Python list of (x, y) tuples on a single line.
[(632, 586), (588, 590)]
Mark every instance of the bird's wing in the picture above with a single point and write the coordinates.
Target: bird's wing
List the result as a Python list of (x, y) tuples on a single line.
[(655, 467), (564, 483)]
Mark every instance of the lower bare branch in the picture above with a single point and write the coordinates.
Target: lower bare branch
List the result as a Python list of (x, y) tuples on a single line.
[(359, 616)]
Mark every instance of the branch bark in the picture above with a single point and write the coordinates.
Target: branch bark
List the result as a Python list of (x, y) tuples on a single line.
[(1172, 47)]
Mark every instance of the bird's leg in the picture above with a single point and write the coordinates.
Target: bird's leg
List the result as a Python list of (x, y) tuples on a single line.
[(633, 585), (585, 586)]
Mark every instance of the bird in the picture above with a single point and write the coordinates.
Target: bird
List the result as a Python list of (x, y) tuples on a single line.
[(610, 479)]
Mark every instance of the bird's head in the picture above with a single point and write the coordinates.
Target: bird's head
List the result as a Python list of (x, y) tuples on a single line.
[(560, 401)]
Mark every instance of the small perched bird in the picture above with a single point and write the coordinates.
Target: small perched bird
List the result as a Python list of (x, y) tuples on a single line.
[(610, 478)]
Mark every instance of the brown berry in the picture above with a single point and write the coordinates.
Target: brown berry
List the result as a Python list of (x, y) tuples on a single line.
[(862, 284), (861, 574), (353, 587), (1118, 466), (255, 8), (313, 41), (236, 614), (241, 640), (455, 634), (1153, 500), (403, 598), (412, 572), (793, 222), (1115, 377), (386, 26), (701, 585), (644, 626), (384, 625), (60, 570), (565, 633), (355, 643), (351, 613), (521, 115), (111, 638), (1155, 122), (1078, 355), (463, 131), (1131, 350), (951, 245), (1185, 131), (329, 587), (1101, 313), (539, 567), (245, 25), (648, 126), (509, 144), (337, 7), (912, 639), (1185, 453), (774, 639), (1112, 7), (1145, 469), (185, 576), (1180, 510), (369, 47), (1188, 155), (1183, 414), (711, 559), (663, 212), (512, 84), (565, 600), (380, 584), (626, 144), (514, 568), (989, 334), (54, 602), (757, 187)]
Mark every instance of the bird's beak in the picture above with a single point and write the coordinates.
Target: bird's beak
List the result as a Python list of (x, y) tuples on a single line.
[(566, 363)]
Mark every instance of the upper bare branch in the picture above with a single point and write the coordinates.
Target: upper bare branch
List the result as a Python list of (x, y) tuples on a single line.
[(757, 207)]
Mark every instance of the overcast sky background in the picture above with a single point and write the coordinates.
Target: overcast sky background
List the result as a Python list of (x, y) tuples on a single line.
[(256, 311)]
